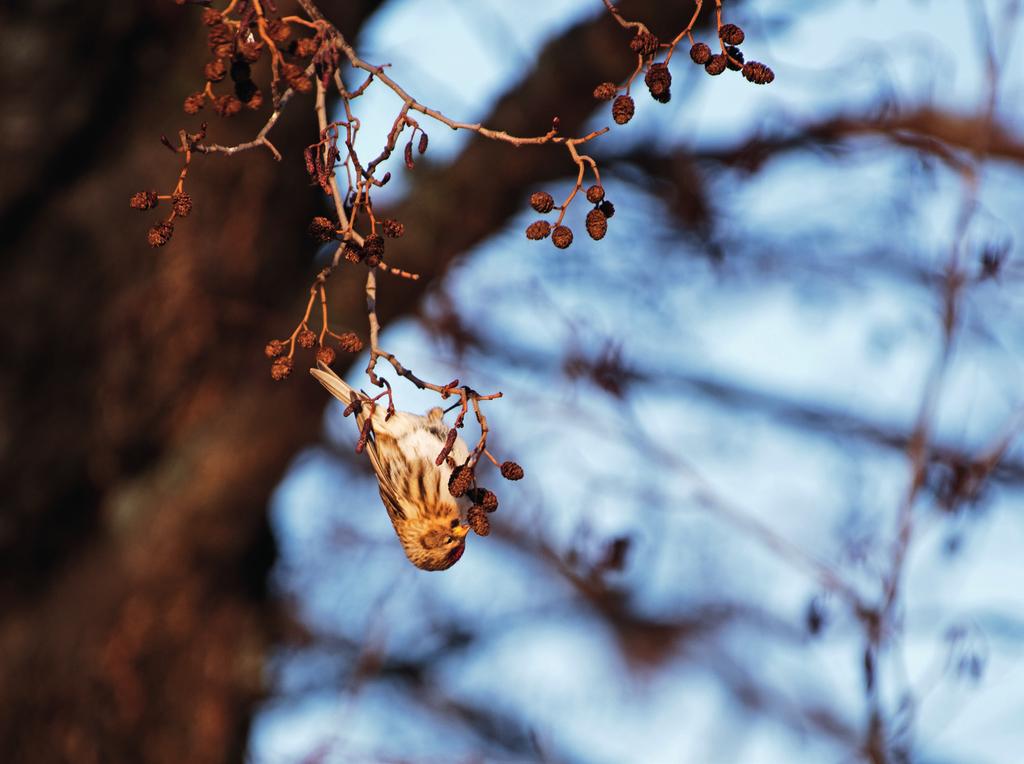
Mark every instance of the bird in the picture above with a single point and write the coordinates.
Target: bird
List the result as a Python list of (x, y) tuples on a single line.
[(403, 450)]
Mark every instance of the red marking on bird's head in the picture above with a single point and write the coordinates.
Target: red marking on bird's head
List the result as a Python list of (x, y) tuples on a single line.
[(455, 555)]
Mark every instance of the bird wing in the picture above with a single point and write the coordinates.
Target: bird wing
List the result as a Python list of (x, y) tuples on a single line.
[(380, 439), (414, 481), (388, 480)]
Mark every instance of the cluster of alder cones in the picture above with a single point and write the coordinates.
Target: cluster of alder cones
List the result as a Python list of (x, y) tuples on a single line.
[(731, 57), (282, 363), (659, 79), (181, 206), (463, 483), (561, 235)]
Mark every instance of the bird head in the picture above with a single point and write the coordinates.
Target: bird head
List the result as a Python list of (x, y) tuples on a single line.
[(434, 543)]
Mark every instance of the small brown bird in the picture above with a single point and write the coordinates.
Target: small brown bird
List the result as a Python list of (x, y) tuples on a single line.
[(403, 451)]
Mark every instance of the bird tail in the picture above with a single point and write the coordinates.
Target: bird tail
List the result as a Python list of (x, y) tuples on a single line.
[(335, 385), (345, 393)]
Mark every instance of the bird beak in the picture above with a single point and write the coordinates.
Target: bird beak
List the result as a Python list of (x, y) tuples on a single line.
[(460, 532)]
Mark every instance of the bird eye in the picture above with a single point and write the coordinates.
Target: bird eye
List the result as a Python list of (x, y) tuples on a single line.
[(449, 539)]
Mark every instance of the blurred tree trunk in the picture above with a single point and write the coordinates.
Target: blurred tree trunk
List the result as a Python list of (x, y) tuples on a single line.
[(140, 435), (139, 441)]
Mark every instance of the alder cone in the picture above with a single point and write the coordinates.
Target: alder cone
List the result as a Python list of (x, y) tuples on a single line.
[(700, 53), (716, 65), (658, 79), (597, 224), (511, 471), (542, 202), (758, 73), (350, 342), (460, 481), (539, 229), (325, 355), (478, 521), (731, 34), (644, 43), (144, 200), (562, 236), (160, 234), (623, 109), (181, 203)]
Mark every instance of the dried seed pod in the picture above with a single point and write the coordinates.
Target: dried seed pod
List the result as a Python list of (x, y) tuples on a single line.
[(460, 481), (353, 252), (350, 342), (393, 229), (143, 200), (181, 203), (700, 53), (595, 194), (212, 17), (215, 70), (607, 208), (644, 43), (194, 103), (605, 91), (278, 30), (422, 145), (219, 34), (373, 245), (273, 349), (487, 499), (731, 34), (306, 47), (325, 355), (478, 521), (321, 229), (658, 79), (281, 368), (306, 338), (250, 52), (542, 202), (758, 73), (227, 105), (715, 65), (160, 234), (622, 109), (597, 224), (372, 261), (301, 84), (562, 236), (539, 229), (735, 58), (296, 77), (511, 471)]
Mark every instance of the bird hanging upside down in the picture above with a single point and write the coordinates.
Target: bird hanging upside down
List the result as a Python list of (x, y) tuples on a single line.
[(403, 450)]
